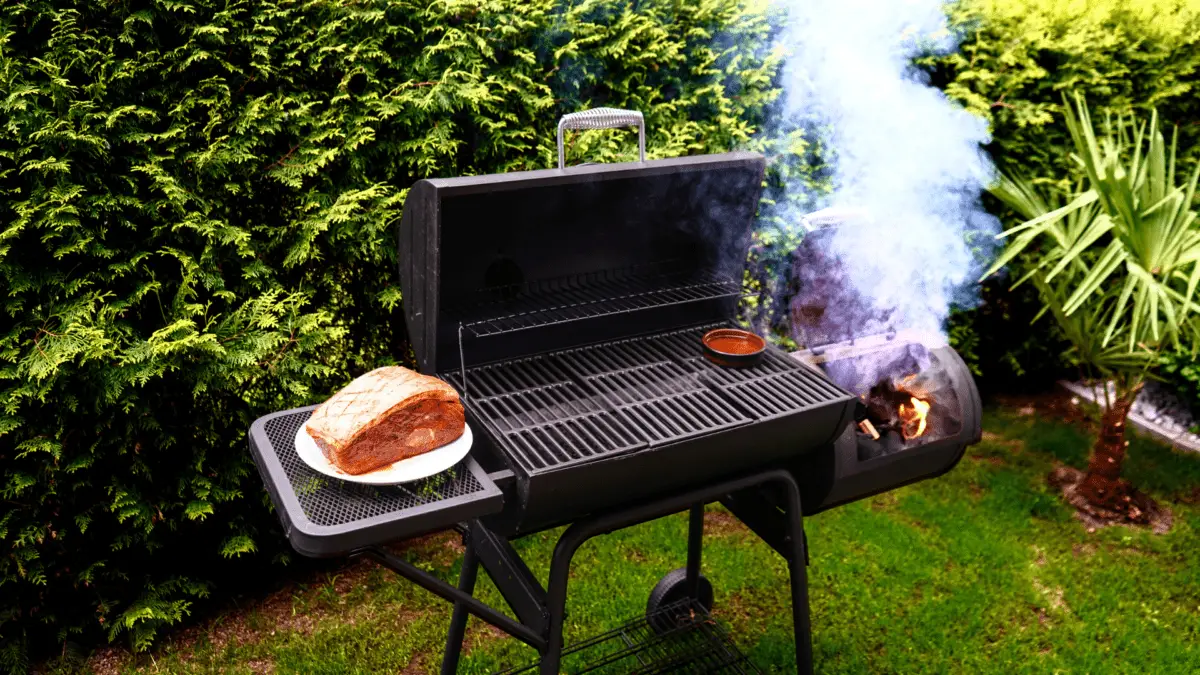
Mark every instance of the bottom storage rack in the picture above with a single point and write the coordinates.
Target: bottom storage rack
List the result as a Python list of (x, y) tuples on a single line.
[(679, 638)]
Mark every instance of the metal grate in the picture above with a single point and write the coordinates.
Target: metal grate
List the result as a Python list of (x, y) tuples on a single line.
[(328, 501), (587, 296), (684, 416), (774, 387), (579, 405), (679, 638), (573, 441)]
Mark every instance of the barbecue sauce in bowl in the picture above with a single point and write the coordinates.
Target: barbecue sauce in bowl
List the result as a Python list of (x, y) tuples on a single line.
[(733, 347)]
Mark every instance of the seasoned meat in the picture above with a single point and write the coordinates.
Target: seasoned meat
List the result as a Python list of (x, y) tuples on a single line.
[(384, 416)]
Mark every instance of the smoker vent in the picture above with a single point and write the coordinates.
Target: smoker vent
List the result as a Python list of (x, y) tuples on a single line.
[(582, 404), (328, 501)]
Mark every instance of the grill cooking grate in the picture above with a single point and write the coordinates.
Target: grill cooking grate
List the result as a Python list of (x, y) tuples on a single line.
[(696, 644), (328, 501), (574, 406)]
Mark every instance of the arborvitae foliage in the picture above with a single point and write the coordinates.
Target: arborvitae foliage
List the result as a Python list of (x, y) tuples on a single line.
[(197, 201), (1018, 58)]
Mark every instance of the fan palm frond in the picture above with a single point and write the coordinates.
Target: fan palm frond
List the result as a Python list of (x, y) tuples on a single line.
[(1117, 264)]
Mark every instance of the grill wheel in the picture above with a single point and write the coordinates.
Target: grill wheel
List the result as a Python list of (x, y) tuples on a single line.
[(672, 590)]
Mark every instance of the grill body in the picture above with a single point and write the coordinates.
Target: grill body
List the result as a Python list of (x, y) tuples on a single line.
[(567, 307), (617, 422)]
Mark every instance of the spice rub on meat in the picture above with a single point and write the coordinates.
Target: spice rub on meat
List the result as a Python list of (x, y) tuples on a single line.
[(384, 416)]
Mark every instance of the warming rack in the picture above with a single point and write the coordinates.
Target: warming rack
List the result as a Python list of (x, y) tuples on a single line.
[(519, 307)]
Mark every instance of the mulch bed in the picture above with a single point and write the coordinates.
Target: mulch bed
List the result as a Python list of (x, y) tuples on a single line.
[(1062, 405)]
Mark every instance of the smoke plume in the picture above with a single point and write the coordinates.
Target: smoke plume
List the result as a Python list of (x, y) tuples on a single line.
[(902, 153)]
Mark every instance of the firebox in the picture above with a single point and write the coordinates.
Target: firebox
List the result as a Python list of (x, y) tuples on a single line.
[(918, 408)]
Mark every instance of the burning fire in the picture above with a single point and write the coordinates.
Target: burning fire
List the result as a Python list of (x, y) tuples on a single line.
[(913, 418)]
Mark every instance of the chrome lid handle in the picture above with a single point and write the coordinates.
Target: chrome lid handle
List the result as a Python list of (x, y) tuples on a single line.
[(602, 118)]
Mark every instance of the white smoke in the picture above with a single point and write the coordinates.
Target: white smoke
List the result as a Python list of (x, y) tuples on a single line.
[(902, 151)]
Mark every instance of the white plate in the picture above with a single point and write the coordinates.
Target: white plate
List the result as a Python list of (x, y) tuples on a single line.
[(404, 471)]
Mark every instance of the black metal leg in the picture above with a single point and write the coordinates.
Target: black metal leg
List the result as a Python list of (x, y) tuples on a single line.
[(549, 640), (556, 592), (444, 590), (458, 620), (516, 583), (695, 543), (581, 531), (798, 571)]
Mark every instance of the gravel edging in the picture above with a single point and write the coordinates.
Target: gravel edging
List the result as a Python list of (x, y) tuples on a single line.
[(1173, 432)]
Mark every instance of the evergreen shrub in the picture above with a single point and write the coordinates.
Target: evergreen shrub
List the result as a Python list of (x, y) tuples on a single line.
[(1016, 59), (197, 203)]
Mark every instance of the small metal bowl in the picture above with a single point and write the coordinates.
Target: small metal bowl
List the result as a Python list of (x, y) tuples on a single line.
[(733, 347)]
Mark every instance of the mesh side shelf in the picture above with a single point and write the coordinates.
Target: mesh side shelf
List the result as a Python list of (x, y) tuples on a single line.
[(326, 516), (696, 644)]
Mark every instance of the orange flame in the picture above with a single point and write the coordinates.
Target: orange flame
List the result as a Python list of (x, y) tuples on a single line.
[(913, 418)]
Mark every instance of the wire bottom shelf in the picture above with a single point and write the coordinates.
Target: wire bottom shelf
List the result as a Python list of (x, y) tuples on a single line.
[(679, 638)]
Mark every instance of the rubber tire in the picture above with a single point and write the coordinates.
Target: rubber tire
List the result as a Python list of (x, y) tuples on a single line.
[(670, 589)]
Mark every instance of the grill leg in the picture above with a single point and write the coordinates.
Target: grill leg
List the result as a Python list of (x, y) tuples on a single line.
[(556, 592), (797, 569), (581, 531), (695, 543), (458, 620)]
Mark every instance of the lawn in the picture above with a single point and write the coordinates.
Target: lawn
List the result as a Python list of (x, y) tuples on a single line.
[(982, 570)]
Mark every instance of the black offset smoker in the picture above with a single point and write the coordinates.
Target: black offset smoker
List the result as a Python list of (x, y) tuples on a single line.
[(567, 307)]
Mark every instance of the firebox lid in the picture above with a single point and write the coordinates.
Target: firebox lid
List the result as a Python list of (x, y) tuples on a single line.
[(514, 235)]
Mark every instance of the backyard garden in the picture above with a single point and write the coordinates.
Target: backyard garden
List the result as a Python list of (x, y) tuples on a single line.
[(199, 209)]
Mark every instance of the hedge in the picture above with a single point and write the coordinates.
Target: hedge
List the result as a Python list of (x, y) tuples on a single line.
[(1019, 56), (196, 210), (197, 201), (1016, 59)]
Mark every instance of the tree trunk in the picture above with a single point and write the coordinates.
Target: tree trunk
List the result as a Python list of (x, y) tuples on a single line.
[(1102, 486)]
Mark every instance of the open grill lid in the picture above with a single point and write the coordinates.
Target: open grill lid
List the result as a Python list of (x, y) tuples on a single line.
[(501, 266)]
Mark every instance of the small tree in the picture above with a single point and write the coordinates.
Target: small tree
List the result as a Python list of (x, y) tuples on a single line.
[(1117, 266)]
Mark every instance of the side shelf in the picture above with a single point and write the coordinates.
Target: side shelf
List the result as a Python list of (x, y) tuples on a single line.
[(324, 516)]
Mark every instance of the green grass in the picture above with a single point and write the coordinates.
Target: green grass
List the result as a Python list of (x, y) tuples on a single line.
[(982, 570)]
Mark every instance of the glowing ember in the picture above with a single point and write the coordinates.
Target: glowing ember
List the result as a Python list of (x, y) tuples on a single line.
[(913, 419)]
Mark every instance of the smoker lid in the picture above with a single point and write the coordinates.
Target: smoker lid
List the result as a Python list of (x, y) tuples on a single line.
[(826, 307), (503, 243)]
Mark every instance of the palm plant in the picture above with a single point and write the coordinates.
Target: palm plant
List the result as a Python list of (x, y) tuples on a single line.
[(1117, 265)]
